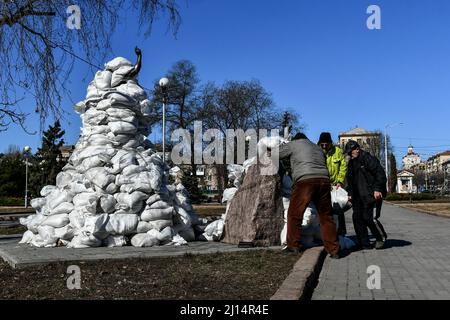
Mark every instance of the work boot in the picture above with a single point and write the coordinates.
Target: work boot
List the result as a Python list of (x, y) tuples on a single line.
[(379, 245)]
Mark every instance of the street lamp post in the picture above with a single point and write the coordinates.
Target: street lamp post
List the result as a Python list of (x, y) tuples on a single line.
[(163, 82), (386, 151), (26, 152)]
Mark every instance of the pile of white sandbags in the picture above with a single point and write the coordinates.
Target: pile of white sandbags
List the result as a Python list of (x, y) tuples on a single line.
[(113, 188)]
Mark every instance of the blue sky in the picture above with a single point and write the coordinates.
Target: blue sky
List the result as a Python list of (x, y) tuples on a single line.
[(314, 56)]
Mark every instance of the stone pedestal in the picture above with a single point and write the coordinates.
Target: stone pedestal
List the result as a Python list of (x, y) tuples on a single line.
[(256, 211)]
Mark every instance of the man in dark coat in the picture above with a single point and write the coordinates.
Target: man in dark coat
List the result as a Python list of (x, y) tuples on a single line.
[(366, 187)]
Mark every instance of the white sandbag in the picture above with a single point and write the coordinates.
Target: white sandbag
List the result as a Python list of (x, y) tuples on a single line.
[(145, 240), (120, 74), (132, 144), (120, 100), (122, 224), (122, 160), (56, 220), (39, 203), (34, 222), (77, 218), (286, 202), (122, 127), (215, 229), (121, 139), (104, 104), (146, 107), (112, 188), (94, 117), (63, 179), (80, 107), (159, 224), (339, 197), (138, 186), (45, 191), (91, 151), (177, 240), (47, 235), (65, 233), (115, 241), (157, 197), (27, 237), (120, 113), (156, 214), (93, 93), (57, 197), (159, 205), (98, 140), (131, 89), (310, 216), (100, 177), (77, 187), (132, 202), (102, 79), (283, 235), (107, 203), (228, 194), (96, 225), (346, 243), (63, 208), (101, 129), (116, 63), (143, 227), (87, 201), (93, 162), (84, 240), (132, 169), (248, 163), (165, 235), (236, 174)]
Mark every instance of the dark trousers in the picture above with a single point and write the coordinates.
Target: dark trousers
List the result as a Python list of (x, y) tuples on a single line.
[(341, 227), (318, 192), (363, 218)]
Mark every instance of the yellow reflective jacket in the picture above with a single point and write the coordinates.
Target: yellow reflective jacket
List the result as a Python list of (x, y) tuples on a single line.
[(337, 166)]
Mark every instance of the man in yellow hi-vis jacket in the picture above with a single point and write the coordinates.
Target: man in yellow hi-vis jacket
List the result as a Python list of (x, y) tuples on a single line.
[(337, 167)]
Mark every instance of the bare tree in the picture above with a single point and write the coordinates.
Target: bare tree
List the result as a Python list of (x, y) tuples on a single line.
[(38, 49), (237, 105)]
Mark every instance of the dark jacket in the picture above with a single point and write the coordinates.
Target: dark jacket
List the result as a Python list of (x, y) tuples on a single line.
[(365, 175)]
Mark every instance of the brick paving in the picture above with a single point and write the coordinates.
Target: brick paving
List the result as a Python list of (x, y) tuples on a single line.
[(415, 263)]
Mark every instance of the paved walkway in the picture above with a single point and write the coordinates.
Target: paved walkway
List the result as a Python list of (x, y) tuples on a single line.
[(414, 265)]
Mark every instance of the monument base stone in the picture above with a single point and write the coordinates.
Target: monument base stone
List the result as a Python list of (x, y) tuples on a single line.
[(256, 211)]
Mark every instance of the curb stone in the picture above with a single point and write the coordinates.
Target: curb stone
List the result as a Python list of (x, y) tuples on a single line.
[(300, 282)]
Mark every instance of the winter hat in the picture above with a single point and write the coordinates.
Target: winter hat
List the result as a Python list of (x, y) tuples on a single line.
[(325, 137), (299, 136), (350, 146)]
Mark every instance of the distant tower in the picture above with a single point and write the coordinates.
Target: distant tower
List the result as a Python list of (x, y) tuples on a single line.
[(411, 159)]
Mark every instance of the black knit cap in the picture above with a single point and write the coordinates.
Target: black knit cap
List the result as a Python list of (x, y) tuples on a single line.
[(325, 137), (299, 136), (350, 146)]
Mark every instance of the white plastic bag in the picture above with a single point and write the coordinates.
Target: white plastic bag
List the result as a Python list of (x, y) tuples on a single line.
[(339, 197)]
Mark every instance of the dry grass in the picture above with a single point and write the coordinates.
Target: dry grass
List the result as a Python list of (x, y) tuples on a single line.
[(439, 208), (242, 275)]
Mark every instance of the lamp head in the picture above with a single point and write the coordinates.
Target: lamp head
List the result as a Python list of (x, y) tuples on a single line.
[(163, 82)]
